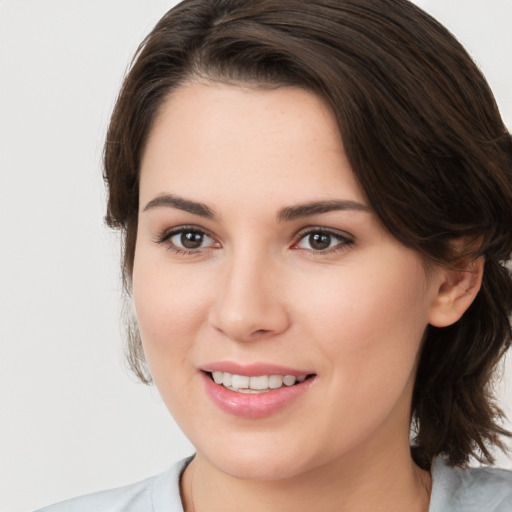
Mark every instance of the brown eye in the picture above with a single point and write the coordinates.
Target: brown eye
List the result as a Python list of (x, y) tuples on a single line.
[(188, 239), (323, 241), (319, 241), (191, 239)]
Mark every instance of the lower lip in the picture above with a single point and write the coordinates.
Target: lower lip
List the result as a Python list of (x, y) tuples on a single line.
[(254, 405)]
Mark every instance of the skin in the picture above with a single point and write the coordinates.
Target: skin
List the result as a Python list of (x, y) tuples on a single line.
[(257, 291)]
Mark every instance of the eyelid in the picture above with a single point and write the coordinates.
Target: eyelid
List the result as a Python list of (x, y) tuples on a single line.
[(167, 233), (344, 238), (164, 238)]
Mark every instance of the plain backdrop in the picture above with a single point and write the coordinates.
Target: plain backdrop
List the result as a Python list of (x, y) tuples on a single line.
[(72, 419)]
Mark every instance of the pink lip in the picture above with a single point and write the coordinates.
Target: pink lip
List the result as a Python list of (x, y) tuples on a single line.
[(252, 405), (252, 370)]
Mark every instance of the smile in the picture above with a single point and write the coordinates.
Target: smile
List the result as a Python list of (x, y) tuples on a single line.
[(255, 384), (255, 391)]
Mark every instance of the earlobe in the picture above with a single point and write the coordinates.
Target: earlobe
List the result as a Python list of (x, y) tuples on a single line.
[(455, 293)]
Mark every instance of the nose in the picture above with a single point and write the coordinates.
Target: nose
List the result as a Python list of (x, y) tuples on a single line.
[(249, 305)]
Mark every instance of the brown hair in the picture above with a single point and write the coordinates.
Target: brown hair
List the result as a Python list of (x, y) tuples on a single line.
[(423, 135)]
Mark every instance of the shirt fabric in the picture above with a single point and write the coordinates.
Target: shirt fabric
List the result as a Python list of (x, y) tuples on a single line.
[(453, 490)]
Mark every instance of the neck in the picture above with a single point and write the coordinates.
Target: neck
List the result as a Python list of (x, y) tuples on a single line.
[(360, 482)]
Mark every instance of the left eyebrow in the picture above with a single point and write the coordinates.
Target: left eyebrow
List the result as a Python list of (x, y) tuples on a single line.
[(168, 200), (318, 207)]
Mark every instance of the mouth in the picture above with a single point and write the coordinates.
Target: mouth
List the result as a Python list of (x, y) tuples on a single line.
[(256, 384), (255, 391)]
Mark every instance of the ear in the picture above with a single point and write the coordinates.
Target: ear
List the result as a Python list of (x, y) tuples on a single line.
[(456, 290)]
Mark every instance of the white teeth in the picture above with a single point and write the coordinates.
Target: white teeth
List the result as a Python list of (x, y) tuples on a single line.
[(289, 380), (260, 383), (240, 381), (218, 377), (226, 380), (275, 381)]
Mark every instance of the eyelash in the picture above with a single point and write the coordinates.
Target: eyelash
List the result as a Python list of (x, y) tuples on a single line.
[(166, 236), (344, 240)]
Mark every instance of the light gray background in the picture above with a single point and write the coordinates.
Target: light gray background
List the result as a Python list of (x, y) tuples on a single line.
[(72, 419)]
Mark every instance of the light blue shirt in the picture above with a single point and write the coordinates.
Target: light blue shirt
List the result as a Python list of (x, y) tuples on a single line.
[(453, 490)]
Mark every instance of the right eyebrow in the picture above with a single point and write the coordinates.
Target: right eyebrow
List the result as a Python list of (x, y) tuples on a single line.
[(319, 207), (170, 201)]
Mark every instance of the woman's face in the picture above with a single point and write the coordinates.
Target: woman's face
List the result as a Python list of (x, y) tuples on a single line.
[(258, 256)]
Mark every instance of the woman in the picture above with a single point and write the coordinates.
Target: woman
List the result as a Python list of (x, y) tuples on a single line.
[(316, 200)]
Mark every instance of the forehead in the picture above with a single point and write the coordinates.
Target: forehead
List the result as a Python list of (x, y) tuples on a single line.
[(283, 141)]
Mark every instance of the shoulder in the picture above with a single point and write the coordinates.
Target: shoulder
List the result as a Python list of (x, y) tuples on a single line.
[(470, 490), (155, 494)]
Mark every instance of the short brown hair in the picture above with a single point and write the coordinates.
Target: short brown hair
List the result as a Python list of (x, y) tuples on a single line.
[(423, 135)]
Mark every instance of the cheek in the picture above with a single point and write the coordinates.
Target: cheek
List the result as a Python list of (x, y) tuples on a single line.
[(360, 307), (170, 309), (369, 327)]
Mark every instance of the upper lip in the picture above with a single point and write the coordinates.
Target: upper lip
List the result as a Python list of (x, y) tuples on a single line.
[(252, 369)]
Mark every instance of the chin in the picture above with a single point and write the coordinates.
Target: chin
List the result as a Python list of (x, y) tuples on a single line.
[(255, 462), (271, 469)]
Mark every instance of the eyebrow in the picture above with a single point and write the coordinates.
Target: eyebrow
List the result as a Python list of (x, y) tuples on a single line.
[(319, 207), (286, 214), (168, 200)]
